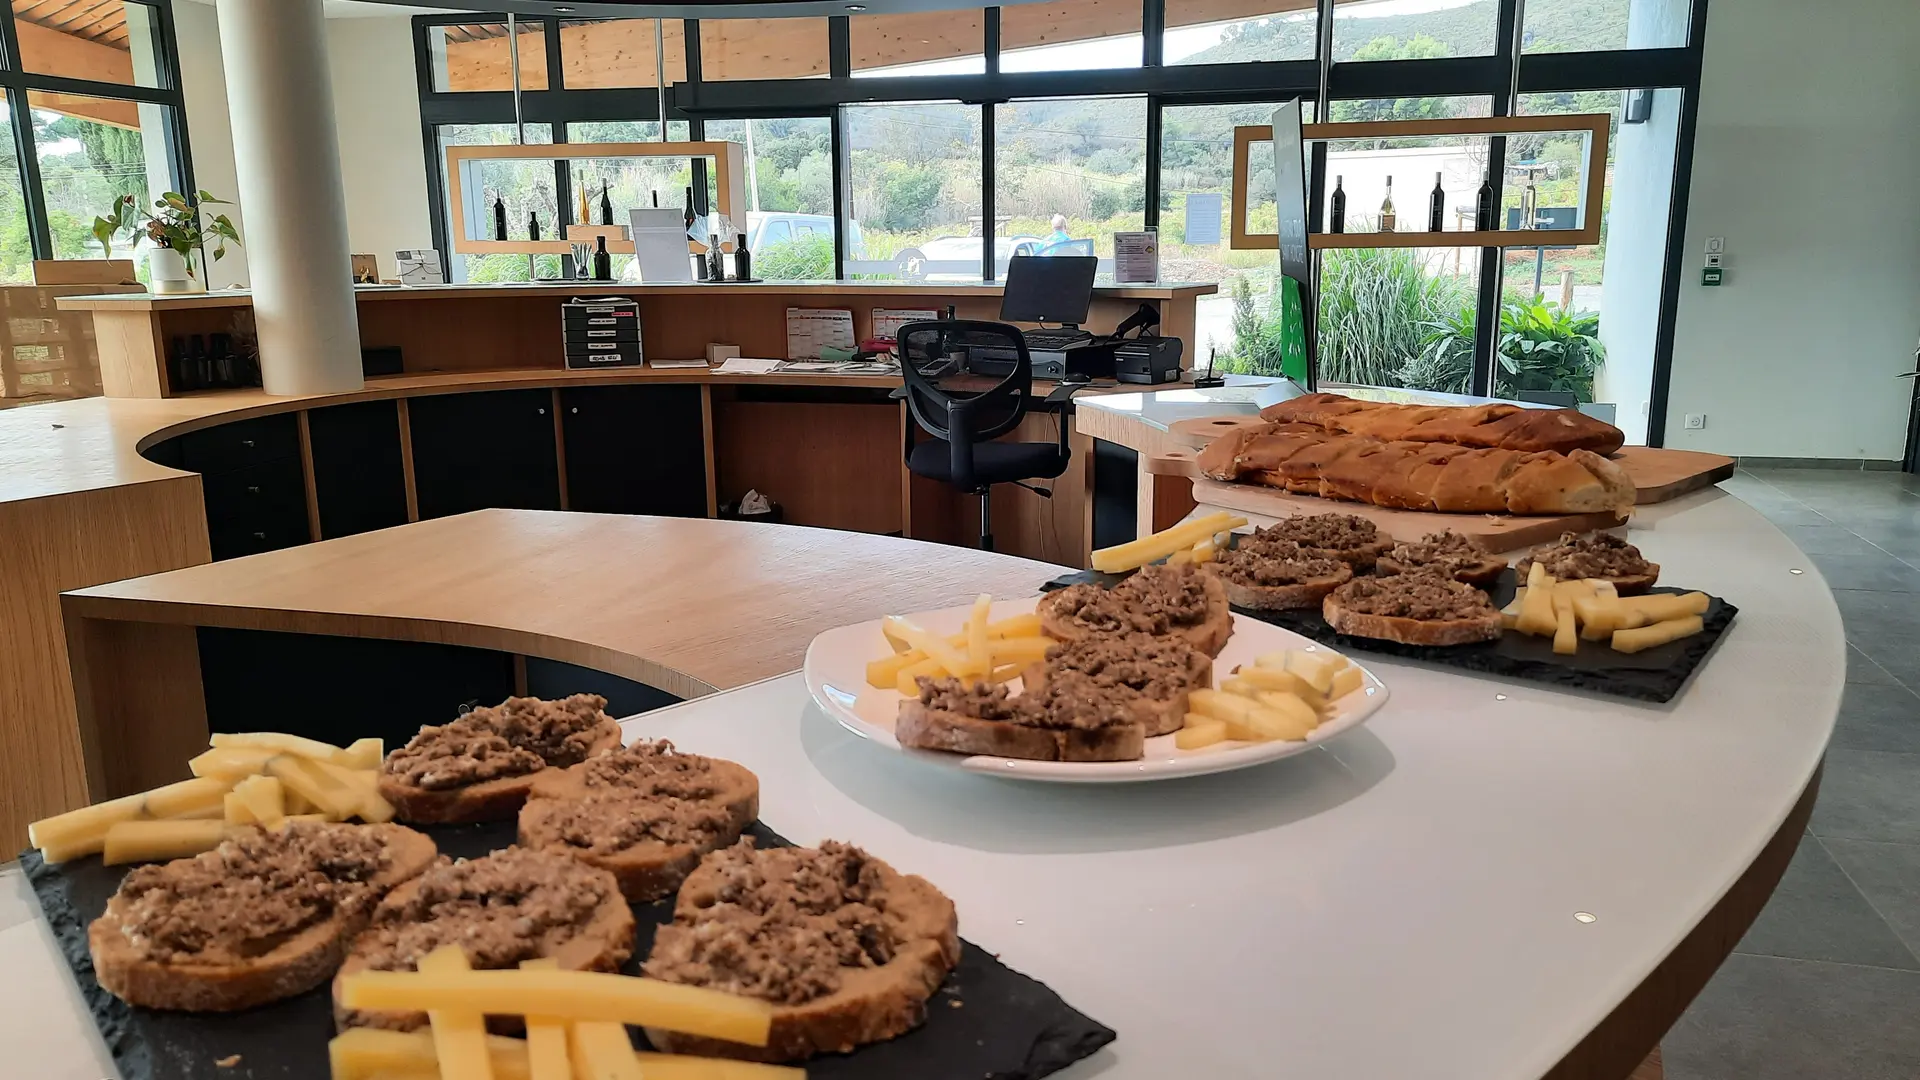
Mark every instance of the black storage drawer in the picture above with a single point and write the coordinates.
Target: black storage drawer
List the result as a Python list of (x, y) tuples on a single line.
[(622, 334), (635, 450), (241, 444), (358, 476), (261, 508), (482, 450)]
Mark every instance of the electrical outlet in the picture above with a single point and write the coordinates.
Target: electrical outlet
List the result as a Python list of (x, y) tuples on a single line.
[(1716, 245), (1696, 421), (1716, 260)]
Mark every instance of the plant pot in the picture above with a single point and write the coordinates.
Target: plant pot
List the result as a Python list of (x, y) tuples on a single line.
[(171, 272)]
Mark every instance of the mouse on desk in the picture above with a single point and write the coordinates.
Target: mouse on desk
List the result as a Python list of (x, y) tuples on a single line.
[(1076, 378)]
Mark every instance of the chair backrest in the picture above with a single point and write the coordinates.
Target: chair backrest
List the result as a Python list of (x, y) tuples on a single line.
[(1067, 247), (957, 418)]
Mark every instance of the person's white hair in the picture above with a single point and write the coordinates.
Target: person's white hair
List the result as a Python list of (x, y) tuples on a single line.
[(1060, 222)]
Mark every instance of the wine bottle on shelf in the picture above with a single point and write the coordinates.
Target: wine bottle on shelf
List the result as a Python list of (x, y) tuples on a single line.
[(606, 206), (533, 225), (602, 262), (716, 269), (581, 214), (499, 217), (1483, 207), (1387, 220), (689, 214), (1437, 207), (742, 259), (1337, 208), (656, 198), (1529, 204)]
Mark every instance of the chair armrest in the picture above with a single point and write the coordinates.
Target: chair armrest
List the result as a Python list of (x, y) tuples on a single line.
[(898, 393), (1064, 392), (1062, 396)]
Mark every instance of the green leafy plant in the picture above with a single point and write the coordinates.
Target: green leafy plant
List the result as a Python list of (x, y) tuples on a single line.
[(175, 225), (1378, 307), (1542, 347), (808, 258)]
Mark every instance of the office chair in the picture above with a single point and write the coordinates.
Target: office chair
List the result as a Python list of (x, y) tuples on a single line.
[(964, 450), (1067, 247)]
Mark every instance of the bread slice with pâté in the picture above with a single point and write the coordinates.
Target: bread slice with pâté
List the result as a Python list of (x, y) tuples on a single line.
[(1277, 575), (481, 766), (846, 949), (1450, 553), (264, 916), (1426, 608), (512, 905), (1163, 671), (1599, 555), (1074, 719), (645, 813), (1158, 599)]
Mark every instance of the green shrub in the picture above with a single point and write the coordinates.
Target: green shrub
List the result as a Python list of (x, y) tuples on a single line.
[(1378, 307), (1541, 348), (809, 258)]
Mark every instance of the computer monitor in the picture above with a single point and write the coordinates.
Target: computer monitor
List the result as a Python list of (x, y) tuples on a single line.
[(1048, 288)]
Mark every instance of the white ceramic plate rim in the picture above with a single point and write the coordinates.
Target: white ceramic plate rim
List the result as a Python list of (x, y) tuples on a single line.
[(835, 672)]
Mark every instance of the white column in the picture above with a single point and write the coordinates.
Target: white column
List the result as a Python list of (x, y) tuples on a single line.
[(287, 161)]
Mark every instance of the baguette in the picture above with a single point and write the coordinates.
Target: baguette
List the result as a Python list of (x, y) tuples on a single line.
[(1139, 604), (515, 904), (645, 814), (261, 885), (739, 908), (1435, 477), (1413, 609), (481, 766), (1496, 425)]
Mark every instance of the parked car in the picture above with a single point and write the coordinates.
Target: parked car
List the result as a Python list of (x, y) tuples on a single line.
[(766, 228), (960, 255)]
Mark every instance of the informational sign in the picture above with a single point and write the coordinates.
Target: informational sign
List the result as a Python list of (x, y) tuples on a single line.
[(888, 321), (1204, 211), (810, 330), (1296, 266), (1136, 257), (419, 267)]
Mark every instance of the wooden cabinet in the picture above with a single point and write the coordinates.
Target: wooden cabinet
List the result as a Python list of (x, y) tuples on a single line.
[(492, 449), (358, 477), (635, 450), (251, 481)]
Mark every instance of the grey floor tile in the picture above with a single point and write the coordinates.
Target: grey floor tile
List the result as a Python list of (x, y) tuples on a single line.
[(1876, 571), (1861, 668), (1869, 795), (1817, 914), (1897, 653), (1888, 875), (1827, 539), (1878, 717), (1764, 1018), (1871, 617)]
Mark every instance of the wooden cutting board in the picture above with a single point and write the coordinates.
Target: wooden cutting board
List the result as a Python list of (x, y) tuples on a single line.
[(1658, 474)]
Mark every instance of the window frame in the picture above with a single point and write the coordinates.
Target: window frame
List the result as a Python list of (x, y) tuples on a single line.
[(1501, 76)]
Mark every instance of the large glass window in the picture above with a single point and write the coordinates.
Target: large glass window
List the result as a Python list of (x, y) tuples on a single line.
[(524, 185), (1197, 34), (16, 236), (619, 52), (914, 174), (91, 151), (114, 42), (1588, 25), (1076, 35), (793, 48), (1400, 317), (789, 212), (1070, 170), (479, 56), (919, 43), (1414, 29)]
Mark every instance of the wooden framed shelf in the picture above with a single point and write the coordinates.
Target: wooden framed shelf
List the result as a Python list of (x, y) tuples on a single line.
[(1593, 126)]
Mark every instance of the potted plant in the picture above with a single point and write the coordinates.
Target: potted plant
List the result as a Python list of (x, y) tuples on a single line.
[(176, 233)]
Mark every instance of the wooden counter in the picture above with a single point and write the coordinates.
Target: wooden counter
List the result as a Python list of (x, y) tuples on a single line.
[(685, 606)]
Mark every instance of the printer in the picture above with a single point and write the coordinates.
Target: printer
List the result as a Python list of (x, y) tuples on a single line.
[(1146, 357)]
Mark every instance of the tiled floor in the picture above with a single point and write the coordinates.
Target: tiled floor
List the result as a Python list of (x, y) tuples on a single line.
[(1826, 986)]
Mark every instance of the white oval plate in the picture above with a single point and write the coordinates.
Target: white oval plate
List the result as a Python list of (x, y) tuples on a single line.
[(836, 672)]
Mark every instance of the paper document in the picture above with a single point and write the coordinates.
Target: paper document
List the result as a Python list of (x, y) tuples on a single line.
[(694, 362), (746, 365), (888, 321), (810, 330), (1136, 256)]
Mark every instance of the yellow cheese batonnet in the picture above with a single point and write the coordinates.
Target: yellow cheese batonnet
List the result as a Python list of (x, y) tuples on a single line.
[(156, 841)]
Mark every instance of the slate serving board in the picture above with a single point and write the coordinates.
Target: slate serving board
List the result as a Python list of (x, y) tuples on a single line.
[(1653, 675), (986, 1021)]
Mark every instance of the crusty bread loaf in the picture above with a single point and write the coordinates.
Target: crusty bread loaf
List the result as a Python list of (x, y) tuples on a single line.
[(293, 966), (872, 1004), (650, 869), (925, 728), (1420, 476), (1493, 426)]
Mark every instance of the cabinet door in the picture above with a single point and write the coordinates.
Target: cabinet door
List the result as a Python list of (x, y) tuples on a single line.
[(256, 508), (358, 478), (491, 449), (635, 450)]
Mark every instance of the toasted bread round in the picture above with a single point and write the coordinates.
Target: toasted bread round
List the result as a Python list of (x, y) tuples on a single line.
[(871, 1005), (1159, 715), (925, 728), (1408, 631), (650, 869), (1209, 636), (1485, 572), (1626, 584), (603, 944), (294, 966), (489, 800)]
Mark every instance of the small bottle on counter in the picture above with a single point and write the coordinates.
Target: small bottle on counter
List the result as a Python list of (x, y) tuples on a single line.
[(602, 262), (716, 268), (742, 259)]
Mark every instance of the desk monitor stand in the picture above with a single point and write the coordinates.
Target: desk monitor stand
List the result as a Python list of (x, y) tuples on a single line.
[(1049, 289)]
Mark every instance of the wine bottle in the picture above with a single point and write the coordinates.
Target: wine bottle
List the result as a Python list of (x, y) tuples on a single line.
[(602, 262), (716, 269), (581, 214), (742, 259), (689, 214), (1483, 207), (533, 225), (1337, 208), (499, 217), (1529, 204), (1437, 206), (1386, 209), (606, 206), (656, 198)]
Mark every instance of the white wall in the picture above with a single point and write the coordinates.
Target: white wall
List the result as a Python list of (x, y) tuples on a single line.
[(377, 109), (1807, 163), (1636, 261)]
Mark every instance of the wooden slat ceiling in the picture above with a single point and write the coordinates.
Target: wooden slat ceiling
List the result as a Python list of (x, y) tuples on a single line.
[(104, 21)]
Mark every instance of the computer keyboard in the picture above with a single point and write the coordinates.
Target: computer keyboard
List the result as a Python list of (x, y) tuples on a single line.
[(1054, 340)]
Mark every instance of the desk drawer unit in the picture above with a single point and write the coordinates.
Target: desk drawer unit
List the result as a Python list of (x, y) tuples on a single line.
[(602, 333)]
